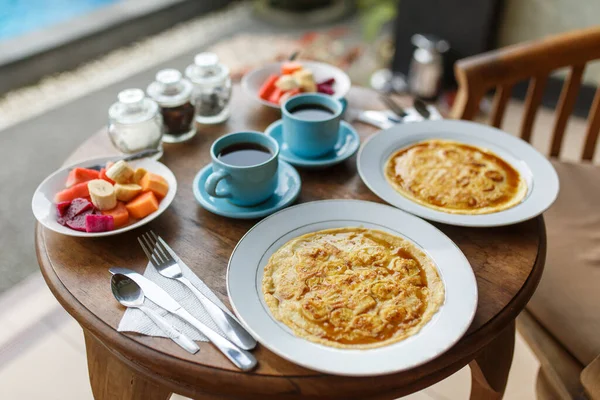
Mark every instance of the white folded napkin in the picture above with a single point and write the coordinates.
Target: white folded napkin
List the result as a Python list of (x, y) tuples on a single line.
[(136, 321)]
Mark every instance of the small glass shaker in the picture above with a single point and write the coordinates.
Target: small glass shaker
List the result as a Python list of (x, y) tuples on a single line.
[(135, 123), (174, 97), (212, 88)]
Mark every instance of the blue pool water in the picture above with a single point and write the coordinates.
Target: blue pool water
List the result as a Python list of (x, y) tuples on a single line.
[(18, 17)]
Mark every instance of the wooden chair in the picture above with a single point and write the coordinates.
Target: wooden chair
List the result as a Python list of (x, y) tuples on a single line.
[(562, 321)]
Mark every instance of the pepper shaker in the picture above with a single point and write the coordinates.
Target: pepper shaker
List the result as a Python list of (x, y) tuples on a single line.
[(135, 123), (212, 88), (174, 97)]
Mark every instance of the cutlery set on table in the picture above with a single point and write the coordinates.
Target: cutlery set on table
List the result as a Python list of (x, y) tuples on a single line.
[(131, 288)]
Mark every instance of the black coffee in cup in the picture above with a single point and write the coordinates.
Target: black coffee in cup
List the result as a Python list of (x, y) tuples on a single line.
[(311, 112), (244, 154)]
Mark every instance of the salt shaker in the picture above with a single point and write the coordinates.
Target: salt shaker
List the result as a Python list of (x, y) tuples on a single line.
[(174, 97), (135, 123), (212, 88)]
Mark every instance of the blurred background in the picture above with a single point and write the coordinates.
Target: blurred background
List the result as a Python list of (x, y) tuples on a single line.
[(62, 63)]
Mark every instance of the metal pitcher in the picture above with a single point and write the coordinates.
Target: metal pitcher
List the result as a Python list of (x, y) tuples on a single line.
[(427, 66)]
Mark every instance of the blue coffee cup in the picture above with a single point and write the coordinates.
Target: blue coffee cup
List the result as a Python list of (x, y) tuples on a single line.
[(243, 185), (311, 138)]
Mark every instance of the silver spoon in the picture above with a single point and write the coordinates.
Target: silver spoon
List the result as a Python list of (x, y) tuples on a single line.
[(421, 108), (130, 294)]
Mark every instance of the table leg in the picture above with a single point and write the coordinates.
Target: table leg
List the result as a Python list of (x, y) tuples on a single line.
[(489, 370), (111, 379)]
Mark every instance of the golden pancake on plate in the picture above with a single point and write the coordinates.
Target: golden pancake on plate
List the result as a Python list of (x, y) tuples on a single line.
[(455, 178), (352, 288)]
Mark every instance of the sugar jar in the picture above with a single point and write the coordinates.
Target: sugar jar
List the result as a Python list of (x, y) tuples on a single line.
[(174, 97), (212, 88), (135, 123)]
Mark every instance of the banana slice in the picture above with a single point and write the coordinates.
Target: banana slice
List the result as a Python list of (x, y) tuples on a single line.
[(303, 74), (127, 191), (286, 82), (305, 80), (138, 175), (102, 194), (308, 86), (120, 172)]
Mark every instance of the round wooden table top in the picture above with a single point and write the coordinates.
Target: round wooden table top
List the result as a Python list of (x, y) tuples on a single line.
[(507, 261)]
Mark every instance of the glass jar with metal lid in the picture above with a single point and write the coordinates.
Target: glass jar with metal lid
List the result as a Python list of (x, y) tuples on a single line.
[(135, 123), (212, 88), (174, 97)]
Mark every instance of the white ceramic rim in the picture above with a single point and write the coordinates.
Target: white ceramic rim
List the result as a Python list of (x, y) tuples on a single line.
[(44, 208), (541, 178), (448, 325), (341, 88)]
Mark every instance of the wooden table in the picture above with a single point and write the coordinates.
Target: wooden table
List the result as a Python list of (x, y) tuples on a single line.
[(507, 261)]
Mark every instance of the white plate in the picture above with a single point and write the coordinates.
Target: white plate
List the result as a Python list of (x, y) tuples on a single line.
[(44, 208), (538, 172), (253, 80), (245, 273)]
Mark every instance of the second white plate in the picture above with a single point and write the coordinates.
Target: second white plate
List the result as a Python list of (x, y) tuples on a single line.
[(246, 267), (44, 209), (538, 172)]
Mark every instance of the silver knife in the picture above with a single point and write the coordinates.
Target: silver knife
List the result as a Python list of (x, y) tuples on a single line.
[(133, 157), (241, 358)]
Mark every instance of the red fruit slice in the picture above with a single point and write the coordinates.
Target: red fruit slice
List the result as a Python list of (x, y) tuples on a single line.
[(105, 177), (77, 207), (267, 87), (78, 222), (62, 207), (67, 210), (61, 210), (289, 67), (79, 190), (79, 175), (329, 82), (324, 88), (276, 95), (99, 223)]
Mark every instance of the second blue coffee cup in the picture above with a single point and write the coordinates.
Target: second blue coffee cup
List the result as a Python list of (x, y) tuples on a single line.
[(311, 138), (245, 185)]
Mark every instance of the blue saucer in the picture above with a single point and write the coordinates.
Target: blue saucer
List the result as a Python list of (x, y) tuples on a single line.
[(288, 189), (347, 144)]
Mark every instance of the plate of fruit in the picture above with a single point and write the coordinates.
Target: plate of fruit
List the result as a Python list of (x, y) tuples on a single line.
[(81, 201), (274, 83)]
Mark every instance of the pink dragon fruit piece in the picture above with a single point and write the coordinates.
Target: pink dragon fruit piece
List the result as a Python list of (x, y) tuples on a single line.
[(61, 208), (78, 221), (78, 206), (99, 223), (61, 211), (67, 212), (324, 88)]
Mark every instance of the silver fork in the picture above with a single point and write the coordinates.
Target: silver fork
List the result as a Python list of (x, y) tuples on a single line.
[(159, 254)]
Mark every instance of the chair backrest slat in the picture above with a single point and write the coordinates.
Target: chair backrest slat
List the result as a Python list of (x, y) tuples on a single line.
[(499, 105), (535, 91), (566, 102), (533, 61), (593, 128), (466, 104)]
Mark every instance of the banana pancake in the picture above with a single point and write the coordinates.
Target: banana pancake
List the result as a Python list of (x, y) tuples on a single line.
[(455, 178), (352, 288)]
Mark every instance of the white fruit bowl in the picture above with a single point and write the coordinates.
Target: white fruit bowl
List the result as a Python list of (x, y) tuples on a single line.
[(44, 208), (253, 80)]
